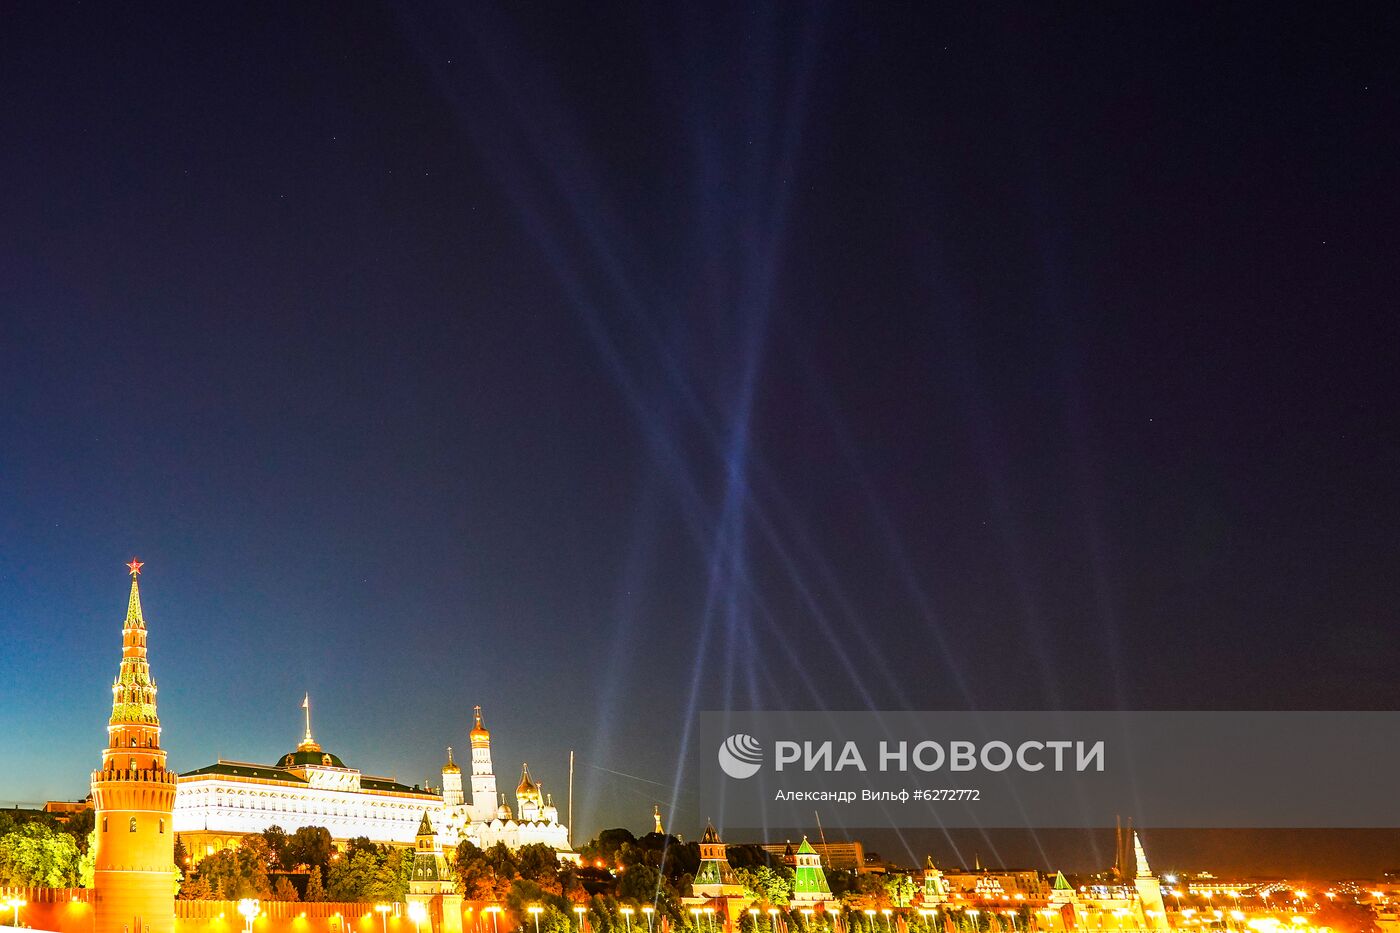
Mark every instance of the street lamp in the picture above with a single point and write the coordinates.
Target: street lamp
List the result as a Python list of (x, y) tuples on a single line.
[(249, 909), (383, 910), (627, 913), (535, 912), (773, 920), (578, 911), (417, 913), (886, 912), (493, 910), (695, 917), (15, 904), (709, 918), (648, 910)]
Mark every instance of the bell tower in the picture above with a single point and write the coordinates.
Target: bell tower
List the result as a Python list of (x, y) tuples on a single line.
[(133, 795)]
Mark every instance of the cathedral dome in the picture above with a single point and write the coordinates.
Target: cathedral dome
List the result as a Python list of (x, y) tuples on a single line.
[(527, 787), (451, 766), (304, 756)]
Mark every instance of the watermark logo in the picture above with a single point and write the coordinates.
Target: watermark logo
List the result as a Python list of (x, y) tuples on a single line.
[(740, 756)]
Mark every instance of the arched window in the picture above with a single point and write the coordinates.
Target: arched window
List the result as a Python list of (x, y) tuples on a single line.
[(131, 827), (162, 825)]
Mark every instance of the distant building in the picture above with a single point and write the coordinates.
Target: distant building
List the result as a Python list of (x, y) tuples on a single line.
[(845, 856), (64, 810), (986, 883)]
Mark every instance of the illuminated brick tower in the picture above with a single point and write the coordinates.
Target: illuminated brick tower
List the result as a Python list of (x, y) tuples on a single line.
[(133, 795)]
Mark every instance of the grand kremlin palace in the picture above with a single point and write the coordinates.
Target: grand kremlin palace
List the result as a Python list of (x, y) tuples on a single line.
[(218, 804)]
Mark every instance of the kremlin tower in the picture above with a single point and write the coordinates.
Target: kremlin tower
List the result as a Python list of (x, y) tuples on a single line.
[(133, 795), (483, 806)]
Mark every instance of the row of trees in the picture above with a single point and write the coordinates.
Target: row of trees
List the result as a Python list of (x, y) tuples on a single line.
[(303, 865), (37, 850), (655, 869)]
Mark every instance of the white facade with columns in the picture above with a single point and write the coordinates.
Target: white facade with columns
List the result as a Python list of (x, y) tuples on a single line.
[(217, 805)]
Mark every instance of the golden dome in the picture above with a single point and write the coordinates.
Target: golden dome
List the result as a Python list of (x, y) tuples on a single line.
[(479, 736), (451, 766), (527, 787)]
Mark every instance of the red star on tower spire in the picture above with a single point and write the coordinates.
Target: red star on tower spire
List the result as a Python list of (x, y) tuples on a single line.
[(135, 566)]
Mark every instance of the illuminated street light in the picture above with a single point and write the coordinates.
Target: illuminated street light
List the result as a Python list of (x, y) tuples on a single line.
[(15, 904), (384, 910), (648, 910), (535, 912), (493, 910), (580, 910), (249, 909), (417, 913)]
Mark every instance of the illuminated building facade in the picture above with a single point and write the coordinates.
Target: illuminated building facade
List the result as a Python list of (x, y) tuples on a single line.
[(219, 804)]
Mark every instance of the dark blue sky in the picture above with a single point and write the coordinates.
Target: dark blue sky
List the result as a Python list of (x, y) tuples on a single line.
[(599, 365)]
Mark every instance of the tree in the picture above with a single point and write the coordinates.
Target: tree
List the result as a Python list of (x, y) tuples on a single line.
[(899, 888), (524, 893), (276, 839), (485, 875), (80, 825), (606, 846), (181, 854), (284, 890), (639, 883), (35, 855), (315, 887), (537, 862), (237, 873), (87, 865), (554, 920), (766, 884), (352, 876), (308, 847), (195, 888)]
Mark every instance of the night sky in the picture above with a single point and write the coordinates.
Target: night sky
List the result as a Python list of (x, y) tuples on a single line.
[(602, 365)]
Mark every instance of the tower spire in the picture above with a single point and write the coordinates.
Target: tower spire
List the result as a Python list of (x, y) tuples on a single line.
[(133, 602), (308, 744), (1143, 869)]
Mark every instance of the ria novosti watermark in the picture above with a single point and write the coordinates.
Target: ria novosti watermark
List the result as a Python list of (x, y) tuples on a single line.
[(1049, 769), (741, 756)]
